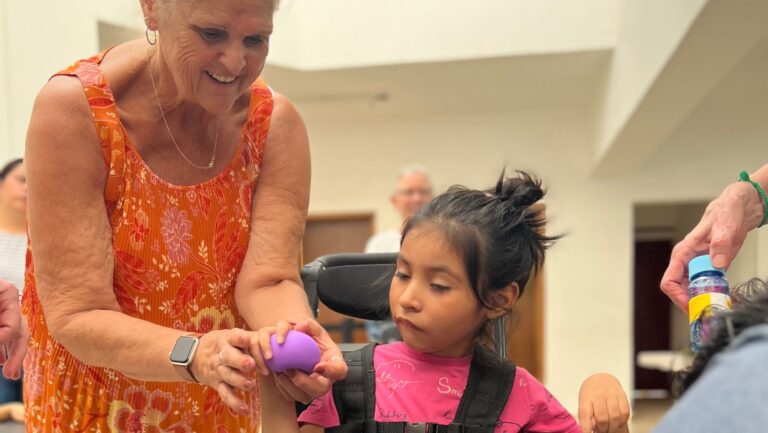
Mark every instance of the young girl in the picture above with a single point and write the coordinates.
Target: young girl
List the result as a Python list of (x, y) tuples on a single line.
[(464, 261)]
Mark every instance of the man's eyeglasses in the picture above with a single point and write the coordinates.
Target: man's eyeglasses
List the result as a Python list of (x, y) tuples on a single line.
[(415, 191)]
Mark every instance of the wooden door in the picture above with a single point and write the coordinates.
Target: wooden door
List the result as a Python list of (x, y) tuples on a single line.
[(651, 309), (525, 329), (331, 234), (525, 326)]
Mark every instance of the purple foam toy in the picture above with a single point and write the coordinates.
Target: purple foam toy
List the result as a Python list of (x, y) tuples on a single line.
[(298, 351)]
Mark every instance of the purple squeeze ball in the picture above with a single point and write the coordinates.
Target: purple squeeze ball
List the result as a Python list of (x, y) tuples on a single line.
[(298, 351)]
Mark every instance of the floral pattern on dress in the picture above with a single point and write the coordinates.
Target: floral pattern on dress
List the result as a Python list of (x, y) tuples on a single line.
[(177, 253)]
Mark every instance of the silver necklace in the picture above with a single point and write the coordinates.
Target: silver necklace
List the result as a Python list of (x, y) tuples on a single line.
[(170, 134)]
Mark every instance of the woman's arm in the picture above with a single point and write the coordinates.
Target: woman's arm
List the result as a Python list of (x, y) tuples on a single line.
[(73, 253), (269, 290)]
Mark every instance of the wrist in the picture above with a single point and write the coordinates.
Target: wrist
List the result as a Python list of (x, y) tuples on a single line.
[(753, 201), (182, 356)]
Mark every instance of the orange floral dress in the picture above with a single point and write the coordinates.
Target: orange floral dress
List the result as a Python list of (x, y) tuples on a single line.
[(178, 250)]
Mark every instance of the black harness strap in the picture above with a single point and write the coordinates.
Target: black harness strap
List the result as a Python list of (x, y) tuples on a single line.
[(487, 391), (355, 396)]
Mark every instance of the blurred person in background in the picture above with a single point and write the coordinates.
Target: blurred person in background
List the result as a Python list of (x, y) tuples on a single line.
[(413, 190)]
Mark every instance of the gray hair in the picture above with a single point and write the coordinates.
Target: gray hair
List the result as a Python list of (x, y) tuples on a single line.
[(413, 169)]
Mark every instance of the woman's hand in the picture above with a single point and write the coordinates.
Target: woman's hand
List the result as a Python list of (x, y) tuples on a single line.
[(13, 331), (721, 233), (603, 405), (302, 387), (222, 362)]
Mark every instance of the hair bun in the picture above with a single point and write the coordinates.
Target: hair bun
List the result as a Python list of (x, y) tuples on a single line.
[(519, 192)]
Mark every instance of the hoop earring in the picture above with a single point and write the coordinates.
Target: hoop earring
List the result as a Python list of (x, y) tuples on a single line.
[(152, 41)]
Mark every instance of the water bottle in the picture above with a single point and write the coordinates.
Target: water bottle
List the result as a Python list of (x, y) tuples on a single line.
[(708, 295)]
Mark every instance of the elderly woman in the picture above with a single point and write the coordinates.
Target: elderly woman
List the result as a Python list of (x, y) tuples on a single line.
[(168, 190)]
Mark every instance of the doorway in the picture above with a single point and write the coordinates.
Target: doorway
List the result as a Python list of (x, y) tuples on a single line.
[(660, 329), (331, 234)]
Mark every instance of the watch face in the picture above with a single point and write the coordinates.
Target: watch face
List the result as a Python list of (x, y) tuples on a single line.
[(182, 349)]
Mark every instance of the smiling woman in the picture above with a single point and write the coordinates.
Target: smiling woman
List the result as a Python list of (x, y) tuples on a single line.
[(183, 181)]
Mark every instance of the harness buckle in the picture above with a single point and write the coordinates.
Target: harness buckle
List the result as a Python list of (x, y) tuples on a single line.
[(416, 427)]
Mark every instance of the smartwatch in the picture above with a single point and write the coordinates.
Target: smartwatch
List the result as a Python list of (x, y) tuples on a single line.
[(182, 355)]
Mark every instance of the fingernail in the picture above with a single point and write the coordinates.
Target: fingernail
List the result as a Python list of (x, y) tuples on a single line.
[(718, 261)]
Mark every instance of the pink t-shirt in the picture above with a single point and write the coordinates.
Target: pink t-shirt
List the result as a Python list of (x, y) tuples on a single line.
[(415, 387)]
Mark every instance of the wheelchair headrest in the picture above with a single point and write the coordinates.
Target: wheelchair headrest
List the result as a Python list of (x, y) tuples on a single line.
[(354, 284)]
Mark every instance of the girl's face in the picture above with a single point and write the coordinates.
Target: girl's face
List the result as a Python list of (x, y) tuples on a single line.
[(432, 303), (13, 190), (214, 49)]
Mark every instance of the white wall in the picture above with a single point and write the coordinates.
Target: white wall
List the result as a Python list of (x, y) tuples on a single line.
[(7, 148), (648, 33), (44, 36), (332, 34), (762, 254)]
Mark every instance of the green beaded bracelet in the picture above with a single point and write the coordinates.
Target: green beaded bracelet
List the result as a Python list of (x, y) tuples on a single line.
[(744, 177)]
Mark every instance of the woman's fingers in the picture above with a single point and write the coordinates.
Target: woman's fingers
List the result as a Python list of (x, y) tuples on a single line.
[(228, 396), (235, 378), (234, 357), (674, 282), (239, 338), (728, 235)]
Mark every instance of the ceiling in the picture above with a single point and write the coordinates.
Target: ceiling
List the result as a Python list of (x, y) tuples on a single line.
[(564, 80)]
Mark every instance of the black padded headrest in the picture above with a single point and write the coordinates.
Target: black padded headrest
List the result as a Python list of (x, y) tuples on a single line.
[(353, 284)]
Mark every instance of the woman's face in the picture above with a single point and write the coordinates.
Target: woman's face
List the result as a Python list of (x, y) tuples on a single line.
[(214, 49), (13, 190)]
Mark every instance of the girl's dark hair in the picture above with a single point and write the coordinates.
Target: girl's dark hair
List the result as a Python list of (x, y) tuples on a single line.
[(9, 167), (498, 233), (750, 308)]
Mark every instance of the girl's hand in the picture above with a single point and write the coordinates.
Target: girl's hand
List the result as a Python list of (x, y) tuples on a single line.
[(222, 363), (304, 388), (603, 405)]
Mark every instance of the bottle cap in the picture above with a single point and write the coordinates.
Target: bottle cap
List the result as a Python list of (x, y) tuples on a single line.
[(701, 264)]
